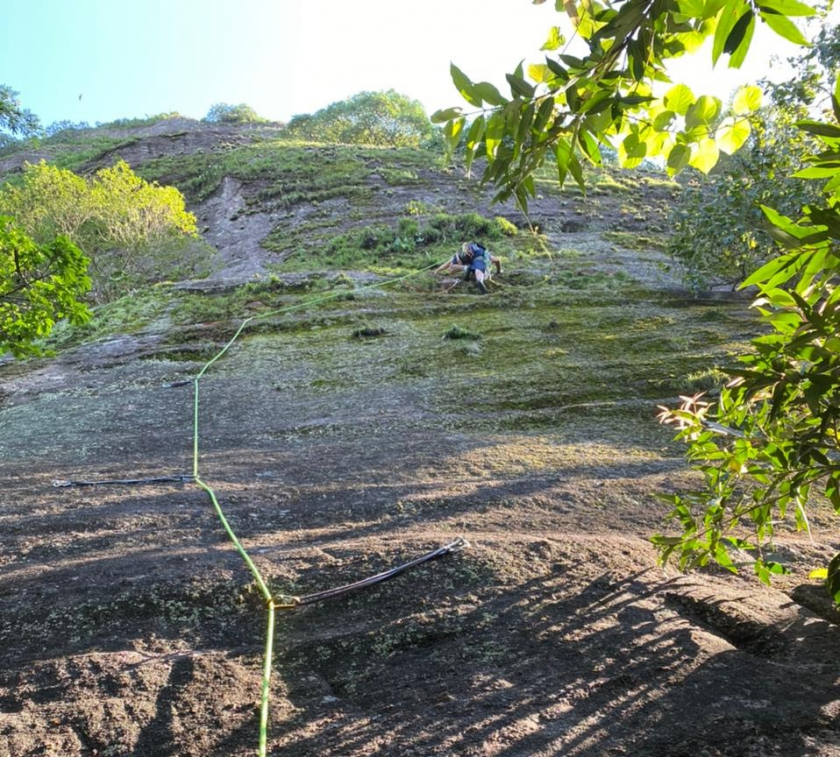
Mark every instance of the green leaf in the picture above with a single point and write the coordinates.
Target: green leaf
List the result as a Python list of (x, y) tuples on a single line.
[(632, 151), (490, 94), (599, 122), (785, 224), (557, 69), (829, 218), (692, 41), (555, 39), (442, 116), (692, 8), (474, 135), (712, 8), (590, 146), (729, 16), (703, 112), (633, 100), (636, 59), (572, 62), (521, 195), (835, 99), (784, 28), (464, 85), (787, 7), (666, 541), (562, 154), (493, 134), (601, 102), (832, 583), (525, 122), (576, 170), (819, 128), (732, 134), (723, 559), (769, 270), (664, 120), (765, 569), (543, 114), (679, 99), (704, 155), (747, 100), (540, 73), (572, 98), (452, 134), (738, 33), (678, 159), (739, 54), (476, 132), (519, 87)]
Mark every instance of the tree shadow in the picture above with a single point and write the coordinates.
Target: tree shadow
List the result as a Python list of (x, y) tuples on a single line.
[(157, 737), (577, 662), (606, 669)]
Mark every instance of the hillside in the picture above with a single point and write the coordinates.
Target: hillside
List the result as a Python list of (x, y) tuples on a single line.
[(357, 433)]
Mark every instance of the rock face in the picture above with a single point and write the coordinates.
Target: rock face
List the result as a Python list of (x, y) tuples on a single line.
[(347, 437), (236, 234)]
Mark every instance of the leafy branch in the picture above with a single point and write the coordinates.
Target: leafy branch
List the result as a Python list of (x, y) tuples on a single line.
[(572, 106), (783, 403)]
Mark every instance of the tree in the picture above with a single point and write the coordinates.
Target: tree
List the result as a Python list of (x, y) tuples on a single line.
[(62, 128), (14, 118), (386, 119), (39, 284), (772, 436), (132, 230), (814, 69), (222, 113), (719, 231)]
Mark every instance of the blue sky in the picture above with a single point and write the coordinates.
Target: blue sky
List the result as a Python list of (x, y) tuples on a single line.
[(282, 57)]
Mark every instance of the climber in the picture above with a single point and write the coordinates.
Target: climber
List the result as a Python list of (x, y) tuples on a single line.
[(475, 261)]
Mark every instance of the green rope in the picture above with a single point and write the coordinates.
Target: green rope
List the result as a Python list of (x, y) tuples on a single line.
[(266, 690), (253, 568), (266, 592)]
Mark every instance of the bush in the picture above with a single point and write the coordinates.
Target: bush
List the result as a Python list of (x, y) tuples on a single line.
[(222, 113), (443, 227), (132, 231), (133, 123), (59, 129), (410, 235), (386, 119), (456, 332), (505, 226)]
